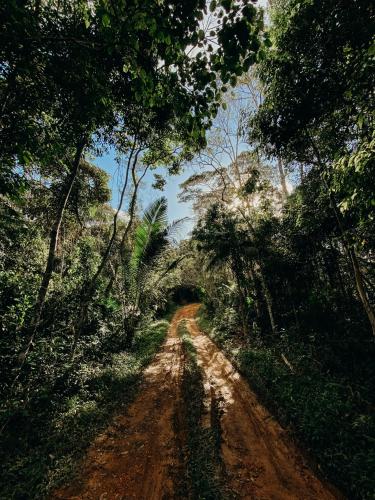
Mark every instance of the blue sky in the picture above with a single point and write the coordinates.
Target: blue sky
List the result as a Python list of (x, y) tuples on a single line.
[(176, 210)]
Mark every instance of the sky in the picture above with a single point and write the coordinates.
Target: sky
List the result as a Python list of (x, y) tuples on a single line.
[(176, 209)]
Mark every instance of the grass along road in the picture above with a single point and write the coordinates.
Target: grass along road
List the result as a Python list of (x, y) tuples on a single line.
[(143, 454)]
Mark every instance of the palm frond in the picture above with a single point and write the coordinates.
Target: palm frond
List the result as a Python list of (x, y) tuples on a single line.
[(173, 228), (156, 213), (148, 233)]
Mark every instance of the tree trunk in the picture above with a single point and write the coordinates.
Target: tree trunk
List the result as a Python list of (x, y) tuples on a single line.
[(55, 232), (343, 290), (90, 290), (282, 176), (361, 289), (301, 173), (264, 286), (256, 295), (54, 237), (358, 277), (268, 299), (126, 232), (108, 250)]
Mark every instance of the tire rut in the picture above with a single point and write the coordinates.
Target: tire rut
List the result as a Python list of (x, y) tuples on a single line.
[(260, 460), (140, 455)]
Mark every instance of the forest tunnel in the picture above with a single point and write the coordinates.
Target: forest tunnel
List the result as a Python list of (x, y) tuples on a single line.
[(185, 294)]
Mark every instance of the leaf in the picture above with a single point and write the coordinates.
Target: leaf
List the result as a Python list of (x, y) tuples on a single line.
[(87, 20), (26, 158), (227, 4), (106, 21), (150, 234), (267, 42), (233, 80), (344, 206)]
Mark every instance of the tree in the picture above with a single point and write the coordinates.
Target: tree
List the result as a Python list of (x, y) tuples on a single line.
[(316, 108), (94, 61), (316, 76), (144, 275), (220, 237), (230, 173)]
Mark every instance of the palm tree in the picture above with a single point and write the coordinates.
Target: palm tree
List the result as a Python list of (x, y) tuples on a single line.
[(143, 281)]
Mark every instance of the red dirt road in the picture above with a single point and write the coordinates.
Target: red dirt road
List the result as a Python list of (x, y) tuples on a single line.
[(139, 456)]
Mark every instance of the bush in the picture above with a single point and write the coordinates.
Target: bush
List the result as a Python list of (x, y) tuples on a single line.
[(335, 423), (43, 441)]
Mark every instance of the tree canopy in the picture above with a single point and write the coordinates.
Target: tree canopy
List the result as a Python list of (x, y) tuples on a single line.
[(270, 117)]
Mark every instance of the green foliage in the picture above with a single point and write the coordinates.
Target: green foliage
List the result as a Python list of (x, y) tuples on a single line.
[(41, 446), (72, 70), (146, 80), (353, 183), (202, 456), (150, 234), (306, 258), (318, 76), (149, 264), (330, 416)]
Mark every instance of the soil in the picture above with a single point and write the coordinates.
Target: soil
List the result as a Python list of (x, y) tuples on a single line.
[(139, 455)]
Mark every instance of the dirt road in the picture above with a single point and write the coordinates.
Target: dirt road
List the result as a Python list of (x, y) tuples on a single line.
[(139, 456)]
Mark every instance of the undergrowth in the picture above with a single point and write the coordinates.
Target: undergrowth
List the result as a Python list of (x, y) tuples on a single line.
[(202, 454), (41, 447), (333, 421)]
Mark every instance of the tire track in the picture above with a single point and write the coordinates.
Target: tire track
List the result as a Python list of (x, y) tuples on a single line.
[(140, 455), (260, 460)]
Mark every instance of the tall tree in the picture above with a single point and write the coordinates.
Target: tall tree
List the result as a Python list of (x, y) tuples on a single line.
[(318, 97), (95, 59)]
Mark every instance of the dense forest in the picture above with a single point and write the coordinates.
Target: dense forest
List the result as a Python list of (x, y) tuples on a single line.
[(268, 110)]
